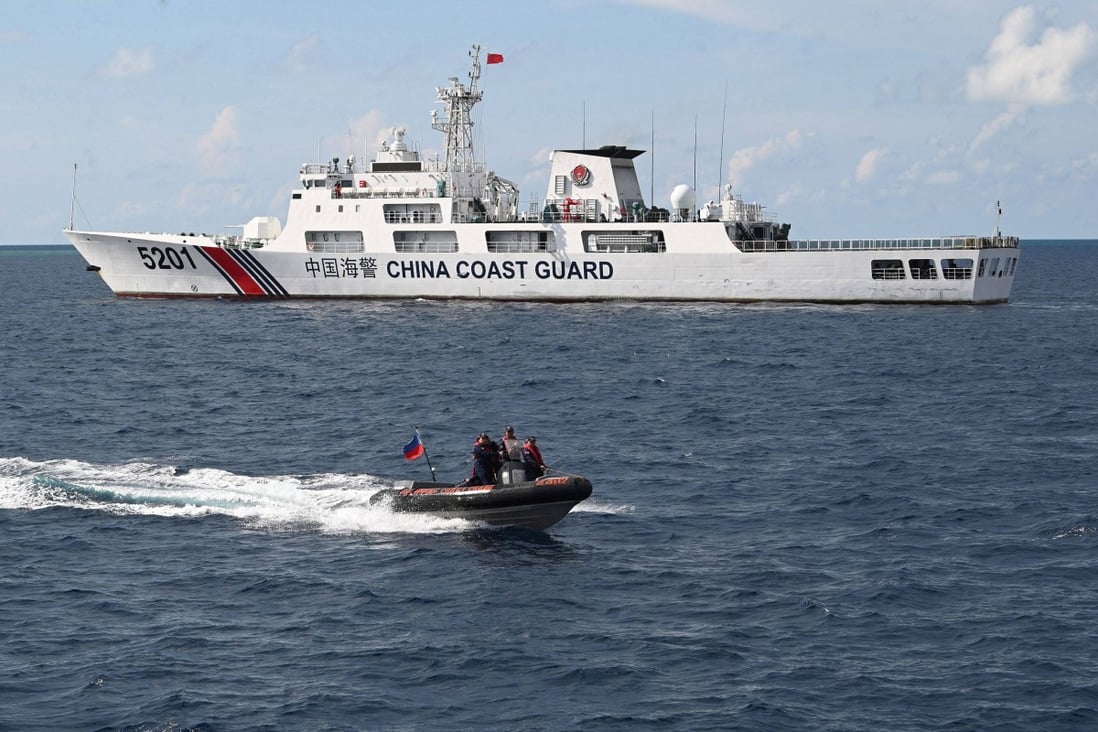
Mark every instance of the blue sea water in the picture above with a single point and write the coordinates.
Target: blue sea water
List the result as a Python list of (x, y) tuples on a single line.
[(805, 517)]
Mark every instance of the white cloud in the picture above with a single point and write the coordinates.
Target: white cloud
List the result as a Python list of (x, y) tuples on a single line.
[(867, 166), (943, 177), (368, 129), (302, 57), (745, 158), (1040, 73), (217, 147), (741, 15), (128, 62), (1086, 166), (790, 194), (997, 125)]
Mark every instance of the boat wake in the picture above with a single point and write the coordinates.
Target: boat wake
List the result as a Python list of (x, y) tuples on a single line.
[(330, 503)]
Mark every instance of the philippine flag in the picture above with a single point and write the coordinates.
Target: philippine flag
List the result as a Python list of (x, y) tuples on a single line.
[(413, 449)]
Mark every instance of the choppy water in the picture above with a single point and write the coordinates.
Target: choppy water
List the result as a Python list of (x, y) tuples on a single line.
[(805, 517)]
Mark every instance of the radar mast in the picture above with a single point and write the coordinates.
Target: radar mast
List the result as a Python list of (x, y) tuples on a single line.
[(458, 123)]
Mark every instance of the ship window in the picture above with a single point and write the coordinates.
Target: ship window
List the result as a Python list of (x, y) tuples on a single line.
[(334, 242), (625, 242), (341, 208), (318, 208), (922, 269), (983, 264), (1013, 264), (425, 241), (512, 242), (993, 268), (957, 269), (887, 269)]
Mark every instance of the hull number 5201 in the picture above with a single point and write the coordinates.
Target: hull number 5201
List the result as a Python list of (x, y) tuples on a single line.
[(166, 257)]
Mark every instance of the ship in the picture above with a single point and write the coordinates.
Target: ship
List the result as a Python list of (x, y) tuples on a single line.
[(405, 226)]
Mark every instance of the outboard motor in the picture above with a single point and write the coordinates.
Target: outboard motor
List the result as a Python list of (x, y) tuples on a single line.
[(512, 471)]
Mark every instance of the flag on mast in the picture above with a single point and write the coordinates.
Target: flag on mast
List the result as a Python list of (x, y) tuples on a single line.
[(495, 58), (414, 449)]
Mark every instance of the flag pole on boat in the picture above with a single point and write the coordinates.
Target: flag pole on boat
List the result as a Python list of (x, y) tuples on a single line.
[(416, 448)]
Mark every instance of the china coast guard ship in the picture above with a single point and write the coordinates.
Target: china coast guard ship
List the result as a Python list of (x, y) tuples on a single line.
[(404, 227)]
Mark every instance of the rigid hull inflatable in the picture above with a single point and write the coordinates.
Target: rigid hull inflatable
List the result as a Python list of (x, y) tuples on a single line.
[(536, 504)]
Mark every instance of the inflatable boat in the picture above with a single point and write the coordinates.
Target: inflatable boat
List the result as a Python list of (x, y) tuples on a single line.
[(532, 504)]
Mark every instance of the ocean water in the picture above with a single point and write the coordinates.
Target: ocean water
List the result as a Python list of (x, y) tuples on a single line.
[(804, 517)]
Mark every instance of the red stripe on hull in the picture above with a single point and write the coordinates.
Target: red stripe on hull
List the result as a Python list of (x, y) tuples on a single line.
[(243, 280)]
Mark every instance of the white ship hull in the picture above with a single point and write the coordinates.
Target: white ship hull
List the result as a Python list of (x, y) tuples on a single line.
[(185, 266), (404, 227)]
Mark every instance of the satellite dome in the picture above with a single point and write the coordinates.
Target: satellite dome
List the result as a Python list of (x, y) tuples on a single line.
[(682, 197)]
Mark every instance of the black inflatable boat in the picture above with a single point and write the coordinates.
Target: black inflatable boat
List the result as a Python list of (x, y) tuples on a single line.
[(536, 504)]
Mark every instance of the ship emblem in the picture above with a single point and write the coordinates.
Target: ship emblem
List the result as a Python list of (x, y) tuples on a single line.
[(581, 175)]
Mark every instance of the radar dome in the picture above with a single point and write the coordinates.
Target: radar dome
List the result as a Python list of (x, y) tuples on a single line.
[(682, 197)]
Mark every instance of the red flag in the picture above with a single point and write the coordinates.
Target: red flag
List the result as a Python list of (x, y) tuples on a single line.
[(495, 58)]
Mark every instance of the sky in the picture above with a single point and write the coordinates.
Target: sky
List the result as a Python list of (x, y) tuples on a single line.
[(847, 118)]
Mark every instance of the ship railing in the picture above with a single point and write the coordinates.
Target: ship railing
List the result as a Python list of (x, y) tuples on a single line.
[(413, 217), (233, 241), (555, 211), (831, 245), (377, 192)]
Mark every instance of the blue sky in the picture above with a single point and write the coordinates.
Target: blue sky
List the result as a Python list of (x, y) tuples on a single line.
[(847, 118)]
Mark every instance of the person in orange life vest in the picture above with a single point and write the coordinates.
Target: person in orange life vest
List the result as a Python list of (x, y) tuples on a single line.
[(510, 446), (532, 459)]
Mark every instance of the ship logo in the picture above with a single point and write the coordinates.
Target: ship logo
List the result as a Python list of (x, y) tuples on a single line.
[(581, 175)]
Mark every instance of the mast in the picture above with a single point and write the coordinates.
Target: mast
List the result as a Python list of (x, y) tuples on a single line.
[(72, 203), (720, 168), (458, 122)]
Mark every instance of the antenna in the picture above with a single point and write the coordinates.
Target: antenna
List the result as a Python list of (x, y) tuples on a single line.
[(72, 204), (998, 215), (694, 183), (652, 174), (584, 128), (720, 168)]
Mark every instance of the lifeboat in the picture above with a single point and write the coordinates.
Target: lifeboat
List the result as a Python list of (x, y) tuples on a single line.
[(534, 504)]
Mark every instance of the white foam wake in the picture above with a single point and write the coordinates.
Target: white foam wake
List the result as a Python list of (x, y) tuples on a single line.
[(330, 503)]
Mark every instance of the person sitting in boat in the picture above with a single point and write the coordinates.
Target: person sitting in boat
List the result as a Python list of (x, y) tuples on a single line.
[(510, 445), (532, 460)]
